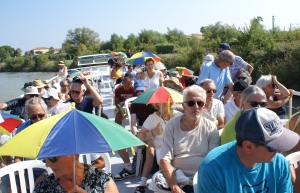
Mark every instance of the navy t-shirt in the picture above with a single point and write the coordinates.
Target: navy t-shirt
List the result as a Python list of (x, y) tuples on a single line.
[(85, 105)]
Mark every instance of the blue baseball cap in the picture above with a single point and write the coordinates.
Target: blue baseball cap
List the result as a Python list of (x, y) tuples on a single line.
[(224, 46), (139, 85), (264, 126)]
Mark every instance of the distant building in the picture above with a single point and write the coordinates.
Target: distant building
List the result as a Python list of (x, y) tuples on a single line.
[(195, 35), (41, 50)]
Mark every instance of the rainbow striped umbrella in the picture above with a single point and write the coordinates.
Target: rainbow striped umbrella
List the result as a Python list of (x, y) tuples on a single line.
[(182, 71), (159, 66), (67, 133), (140, 57), (159, 95), (10, 122)]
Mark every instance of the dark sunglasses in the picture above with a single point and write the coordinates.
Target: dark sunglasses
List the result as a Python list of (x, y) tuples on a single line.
[(33, 95), (211, 90), (192, 103), (255, 104), (48, 99), (263, 145), (75, 92), (240, 77), (273, 86), (140, 91), (34, 117), (52, 159), (172, 87)]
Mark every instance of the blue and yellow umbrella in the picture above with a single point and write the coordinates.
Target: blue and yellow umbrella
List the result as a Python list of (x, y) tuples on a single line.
[(67, 133)]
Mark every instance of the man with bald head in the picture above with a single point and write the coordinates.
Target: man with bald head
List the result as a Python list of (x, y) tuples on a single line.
[(123, 92)]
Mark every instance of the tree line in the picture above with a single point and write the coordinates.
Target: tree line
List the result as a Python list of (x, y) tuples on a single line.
[(269, 51)]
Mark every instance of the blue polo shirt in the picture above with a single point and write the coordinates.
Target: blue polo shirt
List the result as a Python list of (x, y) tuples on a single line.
[(221, 77)]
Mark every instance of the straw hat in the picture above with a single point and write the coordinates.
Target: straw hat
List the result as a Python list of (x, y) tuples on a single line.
[(38, 83), (62, 63), (31, 90)]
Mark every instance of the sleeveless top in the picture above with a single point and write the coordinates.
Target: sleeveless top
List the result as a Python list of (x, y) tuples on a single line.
[(62, 70), (117, 74), (154, 81)]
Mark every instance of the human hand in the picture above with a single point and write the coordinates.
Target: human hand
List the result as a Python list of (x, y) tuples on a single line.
[(274, 79), (216, 122), (84, 80), (77, 190), (176, 189), (99, 163), (291, 92), (157, 130)]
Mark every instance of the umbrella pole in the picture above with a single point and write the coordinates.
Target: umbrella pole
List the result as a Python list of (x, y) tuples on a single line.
[(74, 164)]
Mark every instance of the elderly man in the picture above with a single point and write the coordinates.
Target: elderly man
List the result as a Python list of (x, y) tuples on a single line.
[(17, 105), (138, 113), (53, 102), (251, 163), (187, 139), (86, 104), (122, 93), (238, 62), (213, 109), (234, 105), (218, 71)]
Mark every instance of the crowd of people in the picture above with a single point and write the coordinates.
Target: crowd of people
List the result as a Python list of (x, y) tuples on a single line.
[(227, 129)]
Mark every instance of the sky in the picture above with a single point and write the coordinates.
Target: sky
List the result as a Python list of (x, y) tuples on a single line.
[(35, 23)]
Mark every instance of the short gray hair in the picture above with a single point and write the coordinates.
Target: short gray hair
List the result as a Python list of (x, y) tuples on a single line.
[(264, 81), (83, 88), (251, 90), (192, 88), (207, 80), (35, 101), (227, 56), (248, 76), (61, 82)]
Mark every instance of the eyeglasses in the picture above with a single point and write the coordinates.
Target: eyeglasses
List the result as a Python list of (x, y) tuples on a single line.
[(52, 159), (172, 87), (192, 103), (255, 104), (139, 91), (48, 99), (240, 77), (263, 145), (211, 90), (75, 92), (40, 116)]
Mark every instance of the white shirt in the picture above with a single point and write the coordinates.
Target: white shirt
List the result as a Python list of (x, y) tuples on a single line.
[(216, 110), (230, 110)]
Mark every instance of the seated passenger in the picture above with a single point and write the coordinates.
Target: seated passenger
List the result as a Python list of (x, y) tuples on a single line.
[(213, 109), (187, 139), (252, 96), (152, 134), (276, 100), (251, 163), (88, 178), (234, 105)]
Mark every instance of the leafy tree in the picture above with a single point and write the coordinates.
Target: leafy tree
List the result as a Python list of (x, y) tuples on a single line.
[(131, 43), (176, 37), (117, 42), (151, 36), (40, 61), (107, 45), (18, 52), (84, 36), (51, 50), (9, 50), (3, 54)]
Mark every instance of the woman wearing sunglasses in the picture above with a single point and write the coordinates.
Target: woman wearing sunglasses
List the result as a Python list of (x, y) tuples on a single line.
[(252, 96), (276, 100), (154, 127), (88, 178)]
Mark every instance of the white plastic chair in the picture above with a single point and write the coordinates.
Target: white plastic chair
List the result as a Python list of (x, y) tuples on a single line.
[(127, 108), (88, 159), (20, 167), (294, 158), (195, 181)]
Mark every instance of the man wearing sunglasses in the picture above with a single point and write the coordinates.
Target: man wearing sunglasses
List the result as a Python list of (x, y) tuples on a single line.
[(17, 106), (86, 104), (219, 72), (187, 139), (213, 108), (251, 163)]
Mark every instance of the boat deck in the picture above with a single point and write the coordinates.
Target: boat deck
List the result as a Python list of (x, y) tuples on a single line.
[(128, 185)]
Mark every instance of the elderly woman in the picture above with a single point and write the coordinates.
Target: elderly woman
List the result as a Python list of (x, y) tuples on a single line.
[(88, 178), (213, 109), (252, 96), (153, 78), (152, 134), (276, 100)]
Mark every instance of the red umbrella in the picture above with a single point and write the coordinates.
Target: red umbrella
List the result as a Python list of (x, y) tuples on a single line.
[(10, 123)]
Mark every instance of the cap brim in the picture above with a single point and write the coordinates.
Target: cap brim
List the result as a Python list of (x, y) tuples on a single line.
[(285, 142)]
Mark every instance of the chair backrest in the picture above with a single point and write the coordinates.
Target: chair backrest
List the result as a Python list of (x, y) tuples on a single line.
[(195, 181), (87, 158), (20, 167), (294, 158), (127, 108)]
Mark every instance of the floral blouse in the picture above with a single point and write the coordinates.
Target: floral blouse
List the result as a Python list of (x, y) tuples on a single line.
[(94, 181)]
